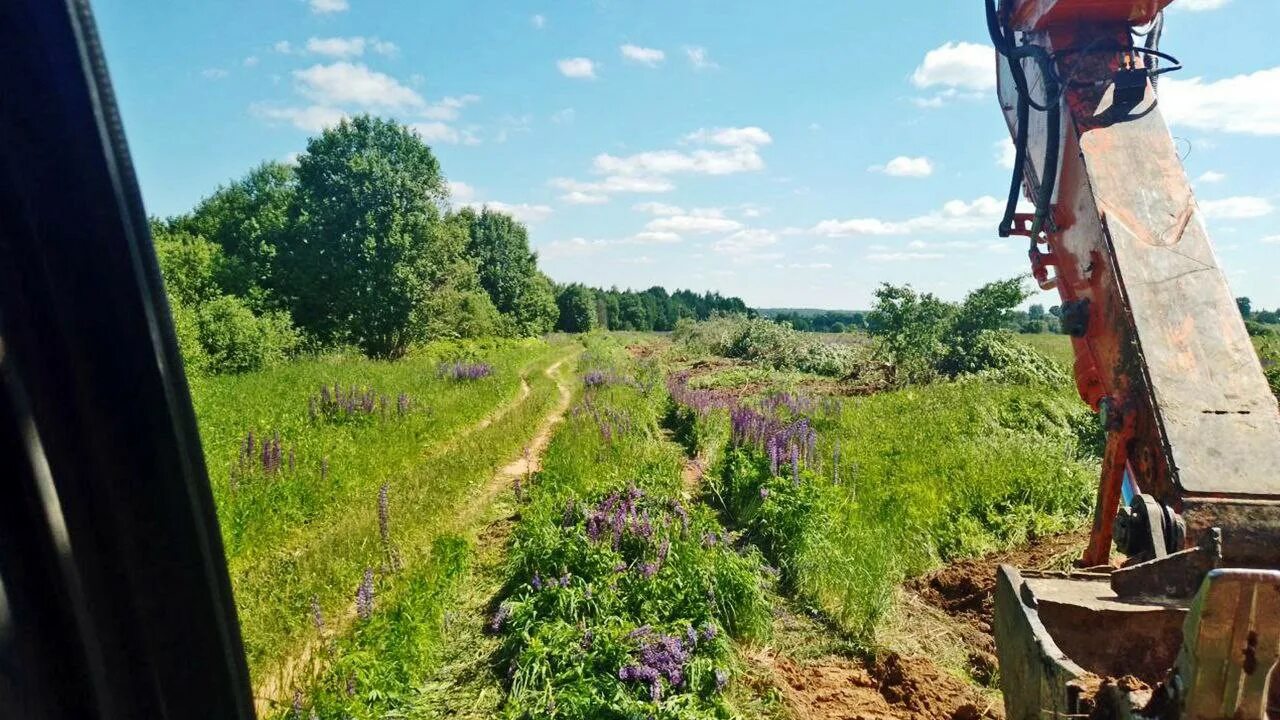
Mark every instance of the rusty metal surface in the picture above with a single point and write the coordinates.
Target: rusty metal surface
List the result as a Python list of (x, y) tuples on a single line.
[(1177, 575), (1230, 645), (1040, 14), (1034, 672)]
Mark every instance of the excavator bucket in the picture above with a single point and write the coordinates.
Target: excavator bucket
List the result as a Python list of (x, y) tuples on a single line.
[(1069, 646)]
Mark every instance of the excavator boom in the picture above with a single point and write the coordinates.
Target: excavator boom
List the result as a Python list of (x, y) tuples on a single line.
[(1191, 468)]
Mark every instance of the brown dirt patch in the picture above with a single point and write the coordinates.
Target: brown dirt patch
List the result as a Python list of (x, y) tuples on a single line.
[(964, 590), (893, 687)]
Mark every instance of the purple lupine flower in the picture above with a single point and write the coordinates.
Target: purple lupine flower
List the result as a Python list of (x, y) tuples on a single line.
[(722, 679), (663, 550), (620, 567), (683, 514), (384, 514), (795, 466), (351, 685), (500, 618), (317, 616), (708, 632), (324, 468), (764, 492), (640, 632), (402, 404), (588, 638), (691, 636), (709, 540), (364, 596), (835, 464), (648, 570), (297, 704), (536, 582), (564, 580)]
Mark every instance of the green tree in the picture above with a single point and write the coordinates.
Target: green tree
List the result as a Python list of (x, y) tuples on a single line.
[(577, 305), (192, 266), (1246, 307), (370, 250), (249, 220), (909, 327), (498, 245)]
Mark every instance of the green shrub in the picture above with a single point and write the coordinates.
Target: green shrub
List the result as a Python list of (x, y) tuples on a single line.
[(770, 344), (236, 340)]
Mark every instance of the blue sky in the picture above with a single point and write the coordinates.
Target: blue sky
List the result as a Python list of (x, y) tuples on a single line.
[(794, 154)]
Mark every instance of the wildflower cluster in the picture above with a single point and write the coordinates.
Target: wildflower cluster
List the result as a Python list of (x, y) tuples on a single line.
[(611, 422), (698, 400), (793, 442), (335, 402), (459, 370), (664, 657), (267, 456)]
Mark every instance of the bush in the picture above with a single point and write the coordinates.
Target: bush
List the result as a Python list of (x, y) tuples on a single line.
[(925, 338), (772, 344), (236, 340)]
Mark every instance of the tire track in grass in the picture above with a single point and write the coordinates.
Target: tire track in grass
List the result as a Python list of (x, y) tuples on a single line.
[(275, 689), (464, 685)]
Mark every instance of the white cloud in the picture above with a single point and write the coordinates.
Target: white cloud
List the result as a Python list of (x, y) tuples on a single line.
[(696, 222), (954, 216), (578, 197), (903, 166), (448, 108), (639, 260), (383, 47), (538, 21), (745, 244), (524, 212), (1200, 5), (741, 155), (963, 65), (214, 73), (572, 247), (657, 208), (699, 58), (655, 237), (810, 266), (324, 7), (461, 192), (283, 47), (1006, 153), (563, 117), (343, 83), (437, 132), (615, 184), (643, 55), (1242, 104), (313, 118), (579, 67), (338, 47), (1211, 176), (251, 61), (1237, 208), (731, 137), (1271, 240), (903, 256), (821, 248)]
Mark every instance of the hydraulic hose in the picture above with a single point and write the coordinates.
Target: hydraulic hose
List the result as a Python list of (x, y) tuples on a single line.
[(1052, 107)]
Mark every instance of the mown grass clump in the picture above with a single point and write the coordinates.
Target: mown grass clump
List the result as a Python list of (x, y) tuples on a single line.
[(621, 597), (900, 482)]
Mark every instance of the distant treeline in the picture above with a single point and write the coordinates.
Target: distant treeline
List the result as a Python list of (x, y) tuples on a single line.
[(1035, 319), (356, 246), (583, 308)]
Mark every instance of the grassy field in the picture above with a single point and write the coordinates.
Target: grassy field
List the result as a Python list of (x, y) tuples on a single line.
[(375, 577), (350, 489)]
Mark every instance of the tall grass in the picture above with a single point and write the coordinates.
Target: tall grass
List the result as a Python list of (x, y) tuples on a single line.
[(905, 480), (303, 529)]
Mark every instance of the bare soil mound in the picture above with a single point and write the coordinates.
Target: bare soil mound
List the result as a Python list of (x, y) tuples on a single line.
[(964, 590), (893, 687)]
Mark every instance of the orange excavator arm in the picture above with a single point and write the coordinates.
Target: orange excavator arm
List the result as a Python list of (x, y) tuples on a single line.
[(1190, 487)]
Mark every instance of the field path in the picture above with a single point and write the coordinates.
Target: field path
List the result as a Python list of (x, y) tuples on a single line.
[(529, 462), (274, 690)]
